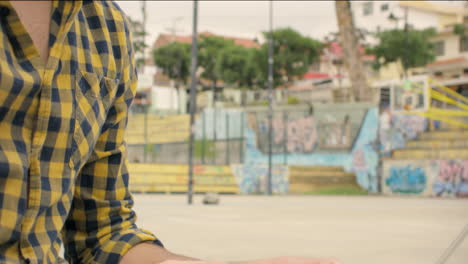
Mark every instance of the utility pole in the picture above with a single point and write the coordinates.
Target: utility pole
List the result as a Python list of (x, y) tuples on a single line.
[(405, 61), (193, 93), (143, 13), (270, 101)]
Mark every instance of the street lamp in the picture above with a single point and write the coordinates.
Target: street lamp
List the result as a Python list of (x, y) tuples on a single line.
[(394, 18), (270, 101), (193, 87)]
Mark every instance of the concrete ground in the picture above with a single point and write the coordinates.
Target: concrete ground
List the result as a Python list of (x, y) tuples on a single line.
[(357, 230)]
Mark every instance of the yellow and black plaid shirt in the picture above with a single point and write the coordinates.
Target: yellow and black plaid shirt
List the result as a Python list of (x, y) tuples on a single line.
[(63, 167)]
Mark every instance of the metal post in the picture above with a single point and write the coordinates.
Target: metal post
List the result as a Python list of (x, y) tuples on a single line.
[(145, 150), (405, 61), (270, 101), (204, 137), (193, 93), (456, 243), (285, 137), (241, 145), (143, 11), (227, 139), (214, 134)]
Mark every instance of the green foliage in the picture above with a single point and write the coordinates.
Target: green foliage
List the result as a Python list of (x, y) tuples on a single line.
[(293, 54), (235, 65), (209, 49), (459, 29), (222, 59), (174, 60), (392, 47), (292, 100)]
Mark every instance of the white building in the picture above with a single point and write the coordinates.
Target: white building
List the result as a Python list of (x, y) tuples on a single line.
[(376, 16)]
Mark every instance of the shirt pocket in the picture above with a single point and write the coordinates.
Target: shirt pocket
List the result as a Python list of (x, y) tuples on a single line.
[(93, 97)]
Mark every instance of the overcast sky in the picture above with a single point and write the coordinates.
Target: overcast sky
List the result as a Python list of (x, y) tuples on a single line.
[(236, 18)]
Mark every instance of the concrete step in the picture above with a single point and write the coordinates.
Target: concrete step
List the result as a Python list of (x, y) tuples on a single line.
[(321, 180), (297, 188), (444, 135), (301, 169), (460, 153), (313, 174), (437, 144)]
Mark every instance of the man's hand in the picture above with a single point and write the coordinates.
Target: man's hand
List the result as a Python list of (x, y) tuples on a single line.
[(281, 260), (146, 253)]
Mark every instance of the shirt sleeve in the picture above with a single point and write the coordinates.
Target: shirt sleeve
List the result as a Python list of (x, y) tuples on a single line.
[(101, 226)]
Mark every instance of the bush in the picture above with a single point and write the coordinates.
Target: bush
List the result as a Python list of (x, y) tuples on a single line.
[(292, 100)]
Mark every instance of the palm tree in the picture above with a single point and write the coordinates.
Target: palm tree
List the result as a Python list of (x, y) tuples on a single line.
[(351, 53)]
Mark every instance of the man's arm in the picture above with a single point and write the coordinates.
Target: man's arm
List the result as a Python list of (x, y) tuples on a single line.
[(101, 225)]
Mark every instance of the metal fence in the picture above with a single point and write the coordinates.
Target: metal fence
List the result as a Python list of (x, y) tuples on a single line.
[(221, 135)]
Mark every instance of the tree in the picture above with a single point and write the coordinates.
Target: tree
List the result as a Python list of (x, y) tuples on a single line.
[(235, 65), (392, 46), (209, 49), (174, 60), (352, 56), (293, 54)]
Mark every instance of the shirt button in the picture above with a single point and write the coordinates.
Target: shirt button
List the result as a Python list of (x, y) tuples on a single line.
[(4, 11)]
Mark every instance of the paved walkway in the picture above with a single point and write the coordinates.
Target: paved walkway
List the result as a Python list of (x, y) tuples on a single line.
[(357, 230)]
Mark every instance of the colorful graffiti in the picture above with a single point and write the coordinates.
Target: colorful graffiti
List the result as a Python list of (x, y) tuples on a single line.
[(297, 135), (396, 130), (364, 146), (407, 180), (253, 178), (302, 134), (335, 135), (451, 178)]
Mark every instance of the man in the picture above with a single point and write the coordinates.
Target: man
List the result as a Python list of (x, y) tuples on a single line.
[(67, 79)]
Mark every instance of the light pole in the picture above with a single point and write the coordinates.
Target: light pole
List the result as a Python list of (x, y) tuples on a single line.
[(193, 91), (270, 101)]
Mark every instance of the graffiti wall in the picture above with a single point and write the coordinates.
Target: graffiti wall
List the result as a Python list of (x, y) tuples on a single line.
[(253, 178), (397, 129), (437, 178), (301, 134), (361, 157), (451, 178)]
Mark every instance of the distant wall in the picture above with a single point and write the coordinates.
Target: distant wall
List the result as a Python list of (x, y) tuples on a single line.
[(359, 157), (437, 178)]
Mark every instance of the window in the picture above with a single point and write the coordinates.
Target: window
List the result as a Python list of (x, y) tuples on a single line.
[(439, 48), (463, 44), (384, 7), (368, 8)]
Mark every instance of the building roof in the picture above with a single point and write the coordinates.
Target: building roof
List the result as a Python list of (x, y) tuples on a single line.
[(447, 62), (431, 7), (164, 39)]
